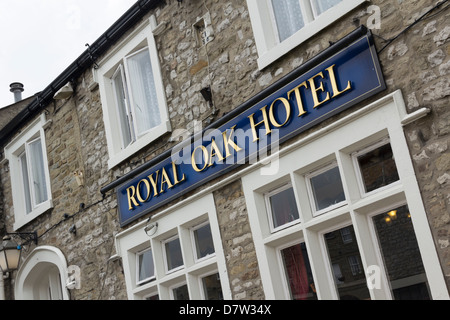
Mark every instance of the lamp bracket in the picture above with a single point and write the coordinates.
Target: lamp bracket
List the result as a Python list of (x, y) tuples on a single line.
[(26, 236)]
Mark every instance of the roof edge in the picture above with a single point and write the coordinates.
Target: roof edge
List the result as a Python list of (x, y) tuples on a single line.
[(81, 64)]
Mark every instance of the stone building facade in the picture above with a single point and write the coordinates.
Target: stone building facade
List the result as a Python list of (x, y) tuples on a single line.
[(80, 232)]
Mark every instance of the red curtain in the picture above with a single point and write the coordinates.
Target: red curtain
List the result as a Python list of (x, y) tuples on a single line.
[(296, 272)]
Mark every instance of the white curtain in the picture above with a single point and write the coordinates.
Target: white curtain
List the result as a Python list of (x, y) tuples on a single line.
[(323, 5), (288, 16), (38, 172), (143, 90), (146, 266)]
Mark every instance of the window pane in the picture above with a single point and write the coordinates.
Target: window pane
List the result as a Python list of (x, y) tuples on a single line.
[(378, 168), (123, 112), (327, 188), (38, 172), (173, 254), (401, 255), (323, 5), (203, 241), (347, 269), (346, 235), (212, 287), (26, 182), (181, 293), (288, 16), (283, 207), (298, 273), (144, 99), (145, 266)]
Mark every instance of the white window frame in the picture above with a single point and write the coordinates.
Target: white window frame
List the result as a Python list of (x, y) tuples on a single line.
[(176, 286), (142, 37), (355, 156), (380, 119), (193, 241), (178, 220), (269, 208), (13, 151), (150, 295), (313, 174), (284, 276), (200, 280), (168, 271), (373, 232), (266, 33), (127, 107), (151, 278)]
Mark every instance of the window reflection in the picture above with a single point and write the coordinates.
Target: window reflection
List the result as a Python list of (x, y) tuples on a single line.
[(378, 168), (283, 207), (212, 287), (146, 267), (401, 255), (181, 293), (346, 265), (327, 188), (203, 241), (173, 254)]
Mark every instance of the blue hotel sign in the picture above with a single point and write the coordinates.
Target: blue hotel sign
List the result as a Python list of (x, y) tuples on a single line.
[(334, 81)]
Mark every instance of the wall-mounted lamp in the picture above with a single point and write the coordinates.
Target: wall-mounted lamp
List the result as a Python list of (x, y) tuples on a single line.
[(10, 251), (151, 228)]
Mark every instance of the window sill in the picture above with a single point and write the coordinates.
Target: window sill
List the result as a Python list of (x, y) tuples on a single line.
[(144, 141), (22, 220), (307, 32)]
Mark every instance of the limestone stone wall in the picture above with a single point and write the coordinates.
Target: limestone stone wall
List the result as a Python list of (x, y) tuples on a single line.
[(238, 243), (417, 62)]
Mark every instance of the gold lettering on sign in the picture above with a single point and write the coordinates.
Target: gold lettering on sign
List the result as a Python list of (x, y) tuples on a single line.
[(315, 90), (165, 180), (288, 113), (298, 98), (334, 85), (175, 174), (138, 193), (228, 142), (316, 87), (205, 156), (131, 193), (254, 125), (154, 182)]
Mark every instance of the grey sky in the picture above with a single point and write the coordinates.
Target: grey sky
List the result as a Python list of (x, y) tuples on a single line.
[(41, 38)]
